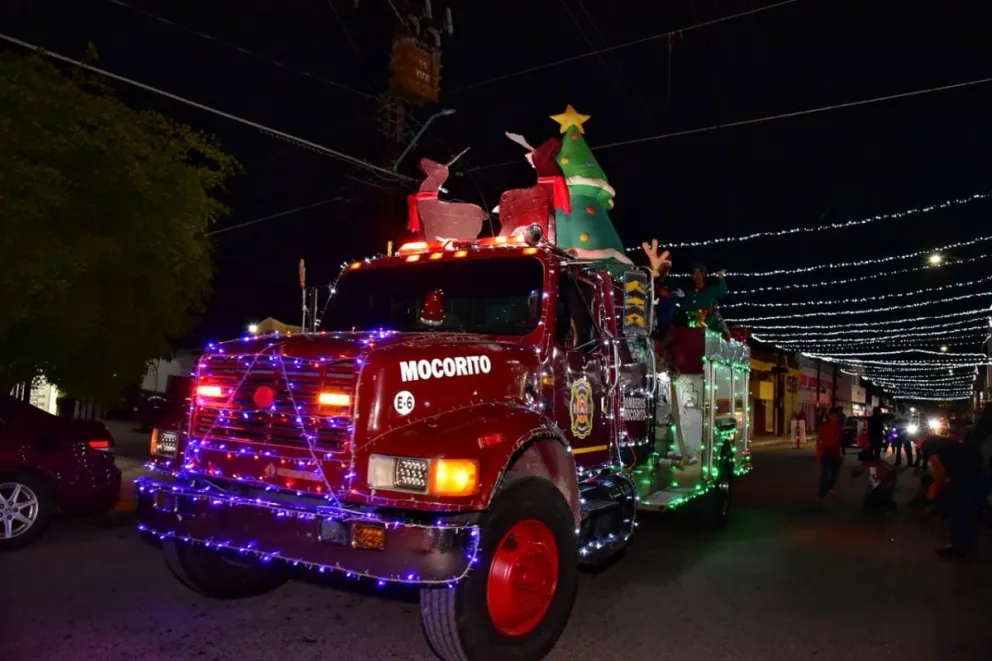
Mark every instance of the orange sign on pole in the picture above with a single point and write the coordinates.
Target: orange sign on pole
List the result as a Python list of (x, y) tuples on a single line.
[(415, 71)]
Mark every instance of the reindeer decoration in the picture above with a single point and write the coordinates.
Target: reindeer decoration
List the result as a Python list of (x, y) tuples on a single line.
[(434, 219), (522, 207)]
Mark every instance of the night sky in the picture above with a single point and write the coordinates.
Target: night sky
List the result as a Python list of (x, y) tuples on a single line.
[(802, 171)]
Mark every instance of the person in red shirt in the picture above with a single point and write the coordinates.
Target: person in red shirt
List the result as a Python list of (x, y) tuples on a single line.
[(830, 453)]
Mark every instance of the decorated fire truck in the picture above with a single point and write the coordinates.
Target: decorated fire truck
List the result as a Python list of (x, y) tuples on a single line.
[(477, 417)]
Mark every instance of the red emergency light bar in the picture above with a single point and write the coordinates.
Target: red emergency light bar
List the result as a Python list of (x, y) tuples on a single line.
[(420, 247)]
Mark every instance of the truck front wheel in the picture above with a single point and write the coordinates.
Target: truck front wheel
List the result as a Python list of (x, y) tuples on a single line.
[(516, 602), (211, 574)]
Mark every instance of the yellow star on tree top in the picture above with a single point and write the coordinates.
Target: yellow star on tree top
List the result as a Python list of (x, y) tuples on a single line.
[(571, 118)]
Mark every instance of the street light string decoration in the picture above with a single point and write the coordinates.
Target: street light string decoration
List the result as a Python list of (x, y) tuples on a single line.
[(860, 299), (806, 229), (861, 278), (833, 313), (862, 262), (870, 326), (882, 333)]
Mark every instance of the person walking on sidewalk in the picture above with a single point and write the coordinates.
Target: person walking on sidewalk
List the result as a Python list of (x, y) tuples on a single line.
[(828, 451)]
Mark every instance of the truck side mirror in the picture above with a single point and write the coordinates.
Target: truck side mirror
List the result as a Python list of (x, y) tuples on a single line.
[(637, 304)]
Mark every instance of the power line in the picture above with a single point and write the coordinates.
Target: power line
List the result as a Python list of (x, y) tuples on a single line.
[(275, 133), (273, 216), (798, 113), (626, 44), (769, 118), (244, 51)]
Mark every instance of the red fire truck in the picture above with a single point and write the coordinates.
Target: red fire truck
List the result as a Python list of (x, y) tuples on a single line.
[(477, 418)]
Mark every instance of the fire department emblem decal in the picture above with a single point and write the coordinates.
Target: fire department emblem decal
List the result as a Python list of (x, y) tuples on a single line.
[(581, 408)]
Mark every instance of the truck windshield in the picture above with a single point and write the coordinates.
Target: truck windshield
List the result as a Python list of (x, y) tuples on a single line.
[(500, 296)]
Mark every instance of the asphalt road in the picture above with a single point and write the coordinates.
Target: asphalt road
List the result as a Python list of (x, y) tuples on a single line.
[(791, 579)]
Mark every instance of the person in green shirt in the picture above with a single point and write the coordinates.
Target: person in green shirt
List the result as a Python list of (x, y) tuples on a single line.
[(701, 299)]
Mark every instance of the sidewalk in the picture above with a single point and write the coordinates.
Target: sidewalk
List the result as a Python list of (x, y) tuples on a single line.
[(784, 441)]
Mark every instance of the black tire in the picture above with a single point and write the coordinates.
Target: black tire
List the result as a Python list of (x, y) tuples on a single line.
[(457, 621), (715, 507), (41, 516), (213, 575)]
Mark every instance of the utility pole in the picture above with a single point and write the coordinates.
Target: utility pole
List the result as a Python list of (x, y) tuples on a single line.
[(414, 82)]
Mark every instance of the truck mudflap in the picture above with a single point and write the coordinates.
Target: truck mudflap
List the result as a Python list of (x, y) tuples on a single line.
[(307, 532)]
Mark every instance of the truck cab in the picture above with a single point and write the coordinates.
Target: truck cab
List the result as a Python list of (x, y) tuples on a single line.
[(476, 418)]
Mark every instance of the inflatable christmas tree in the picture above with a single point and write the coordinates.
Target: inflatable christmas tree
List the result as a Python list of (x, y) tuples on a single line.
[(587, 230)]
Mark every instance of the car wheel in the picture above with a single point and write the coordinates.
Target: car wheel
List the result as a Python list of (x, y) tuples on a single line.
[(714, 508), (213, 575), (26, 508), (515, 604)]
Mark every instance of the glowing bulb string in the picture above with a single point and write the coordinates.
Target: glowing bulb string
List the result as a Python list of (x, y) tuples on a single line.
[(983, 312), (862, 299), (805, 229), (899, 337), (893, 363), (924, 331), (862, 278), (912, 398), (963, 378), (831, 313), (929, 352), (839, 265), (884, 369)]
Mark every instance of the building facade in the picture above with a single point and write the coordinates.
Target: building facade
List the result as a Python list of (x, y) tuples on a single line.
[(775, 392)]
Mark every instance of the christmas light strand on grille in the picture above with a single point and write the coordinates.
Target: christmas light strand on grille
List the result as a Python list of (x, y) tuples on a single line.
[(862, 278), (983, 313), (832, 313), (806, 229), (861, 299), (863, 262)]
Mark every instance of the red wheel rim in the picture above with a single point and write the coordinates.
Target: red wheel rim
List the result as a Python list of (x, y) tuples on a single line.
[(523, 578)]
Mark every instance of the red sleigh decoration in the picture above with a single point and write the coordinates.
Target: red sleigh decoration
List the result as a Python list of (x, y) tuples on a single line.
[(522, 207), (434, 219)]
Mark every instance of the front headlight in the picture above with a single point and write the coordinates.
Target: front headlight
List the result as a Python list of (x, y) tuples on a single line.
[(438, 477), (912, 429), (934, 424), (164, 443)]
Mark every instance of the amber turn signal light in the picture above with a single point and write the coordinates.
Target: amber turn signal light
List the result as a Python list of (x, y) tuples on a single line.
[(368, 536), (454, 477)]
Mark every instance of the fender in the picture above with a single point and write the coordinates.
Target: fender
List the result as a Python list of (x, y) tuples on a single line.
[(502, 436)]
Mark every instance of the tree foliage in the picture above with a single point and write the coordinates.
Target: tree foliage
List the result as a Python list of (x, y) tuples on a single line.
[(104, 212)]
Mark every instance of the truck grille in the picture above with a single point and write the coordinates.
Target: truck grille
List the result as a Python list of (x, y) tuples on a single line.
[(295, 386)]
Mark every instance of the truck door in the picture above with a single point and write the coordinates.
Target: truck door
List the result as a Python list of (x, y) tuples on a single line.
[(581, 366)]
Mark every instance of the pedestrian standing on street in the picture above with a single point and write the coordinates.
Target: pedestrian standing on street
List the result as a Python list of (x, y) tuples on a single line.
[(957, 468), (876, 432), (828, 451), (900, 424)]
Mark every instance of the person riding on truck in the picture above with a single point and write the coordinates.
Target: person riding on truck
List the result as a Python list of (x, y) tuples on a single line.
[(701, 299)]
